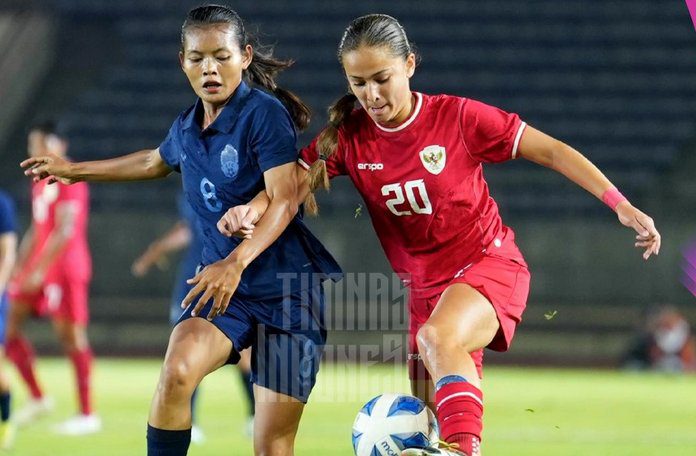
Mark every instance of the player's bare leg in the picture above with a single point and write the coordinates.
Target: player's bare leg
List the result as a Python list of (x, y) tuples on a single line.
[(244, 366), (21, 352), (75, 343), (462, 322), (196, 348), (275, 423), (424, 389)]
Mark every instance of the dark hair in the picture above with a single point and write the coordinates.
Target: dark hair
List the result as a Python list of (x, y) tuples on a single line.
[(49, 127), (372, 30), (263, 68)]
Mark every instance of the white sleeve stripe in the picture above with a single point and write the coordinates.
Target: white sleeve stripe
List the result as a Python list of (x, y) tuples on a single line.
[(452, 396), (303, 164), (517, 139)]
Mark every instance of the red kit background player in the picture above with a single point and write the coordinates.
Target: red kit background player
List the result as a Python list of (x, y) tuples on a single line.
[(52, 279), (417, 161)]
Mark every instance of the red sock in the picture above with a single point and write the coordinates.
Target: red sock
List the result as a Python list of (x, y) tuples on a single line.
[(459, 414), (82, 362), (21, 353)]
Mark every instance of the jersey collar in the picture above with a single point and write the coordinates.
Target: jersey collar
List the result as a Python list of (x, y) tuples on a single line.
[(227, 118), (407, 122)]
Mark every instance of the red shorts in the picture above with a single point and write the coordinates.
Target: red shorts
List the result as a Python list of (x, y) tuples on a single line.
[(64, 300), (503, 280)]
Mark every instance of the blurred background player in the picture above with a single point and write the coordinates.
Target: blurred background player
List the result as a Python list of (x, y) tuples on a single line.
[(186, 234), (8, 255), (52, 279), (665, 343)]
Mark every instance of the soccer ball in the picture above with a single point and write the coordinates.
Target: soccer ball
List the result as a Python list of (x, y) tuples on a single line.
[(391, 422)]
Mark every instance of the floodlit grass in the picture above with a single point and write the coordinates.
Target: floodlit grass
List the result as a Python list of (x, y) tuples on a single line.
[(528, 411)]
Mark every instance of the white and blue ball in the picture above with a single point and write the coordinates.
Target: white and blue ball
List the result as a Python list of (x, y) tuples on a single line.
[(391, 422)]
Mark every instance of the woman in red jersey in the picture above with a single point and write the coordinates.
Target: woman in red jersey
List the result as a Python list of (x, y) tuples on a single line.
[(416, 160)]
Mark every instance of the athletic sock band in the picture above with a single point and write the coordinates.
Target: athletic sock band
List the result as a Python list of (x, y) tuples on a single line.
[(613, 197)]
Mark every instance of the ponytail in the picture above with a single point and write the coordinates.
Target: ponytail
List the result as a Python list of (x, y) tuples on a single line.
[(327, 143), (263, 70)]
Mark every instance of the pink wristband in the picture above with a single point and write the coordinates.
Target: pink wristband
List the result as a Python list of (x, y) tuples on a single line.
[(613, 197)]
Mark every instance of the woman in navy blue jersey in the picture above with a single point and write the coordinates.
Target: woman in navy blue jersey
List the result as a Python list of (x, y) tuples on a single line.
[(263, 292)]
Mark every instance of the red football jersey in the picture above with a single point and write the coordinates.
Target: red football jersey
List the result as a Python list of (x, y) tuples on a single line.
[(423, 183), (75, 260)]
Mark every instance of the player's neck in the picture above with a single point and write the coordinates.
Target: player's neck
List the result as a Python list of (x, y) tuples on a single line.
[(211, 112), (404, 114)]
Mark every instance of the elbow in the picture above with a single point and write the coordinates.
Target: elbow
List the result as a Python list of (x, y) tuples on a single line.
[(288, 208), (552, 156), (291, 207)]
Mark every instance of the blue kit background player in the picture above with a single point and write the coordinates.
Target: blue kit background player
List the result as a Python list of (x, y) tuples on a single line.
[(234, 142), (8, 256), (186, 234)]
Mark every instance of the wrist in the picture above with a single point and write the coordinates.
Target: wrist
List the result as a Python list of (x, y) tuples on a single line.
[(236, 261), (613, 198), (75, 171)]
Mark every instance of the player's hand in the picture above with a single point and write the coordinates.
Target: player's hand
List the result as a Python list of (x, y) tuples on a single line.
[(648, 237), (238, 221), (217, 281), (144, 263), (140, 267), (51, 167)]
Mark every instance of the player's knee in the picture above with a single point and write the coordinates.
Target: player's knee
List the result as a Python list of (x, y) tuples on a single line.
[(176, 378), (429, 339), (432, 341), (273, 447)]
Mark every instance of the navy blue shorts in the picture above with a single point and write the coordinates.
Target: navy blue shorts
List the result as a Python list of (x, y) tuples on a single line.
[(287, 336)]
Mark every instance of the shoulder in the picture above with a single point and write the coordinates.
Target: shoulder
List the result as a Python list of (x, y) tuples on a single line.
[(442, 101), (473, 106), (356, 121), (446, 102), (263, 104), (182, 118)]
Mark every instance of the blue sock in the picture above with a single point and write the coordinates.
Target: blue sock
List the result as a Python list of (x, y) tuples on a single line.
[(167, 443), (449, 379), (5, 406)]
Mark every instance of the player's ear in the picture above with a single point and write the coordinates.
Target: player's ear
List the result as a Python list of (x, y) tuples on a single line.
[(410, 65), (181, 59), (247, 56)]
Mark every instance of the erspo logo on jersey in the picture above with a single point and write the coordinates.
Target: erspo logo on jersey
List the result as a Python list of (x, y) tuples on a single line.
[(371, 166)]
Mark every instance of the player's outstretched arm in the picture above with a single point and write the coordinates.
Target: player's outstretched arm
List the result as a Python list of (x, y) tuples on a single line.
[(220, 280), (240, 220), (26, 246), (547, 151), (175, 239), (66, 216), (142, 165)]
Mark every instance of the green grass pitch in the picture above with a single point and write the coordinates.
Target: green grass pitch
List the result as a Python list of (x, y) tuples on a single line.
[(532, 412)]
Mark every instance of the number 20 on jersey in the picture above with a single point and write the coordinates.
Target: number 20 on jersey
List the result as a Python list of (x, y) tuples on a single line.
[(400, 193)]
